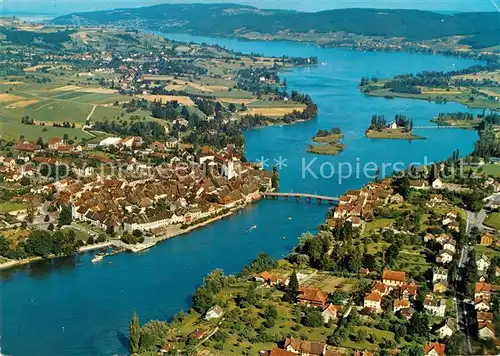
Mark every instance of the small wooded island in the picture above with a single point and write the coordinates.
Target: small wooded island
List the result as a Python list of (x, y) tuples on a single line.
[(399, 129), (459, 119), (328, 142)]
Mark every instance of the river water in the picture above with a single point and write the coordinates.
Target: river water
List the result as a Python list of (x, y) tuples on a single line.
[(73, 307)]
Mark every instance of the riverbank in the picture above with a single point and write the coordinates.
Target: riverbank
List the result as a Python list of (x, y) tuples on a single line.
[(28, 260)]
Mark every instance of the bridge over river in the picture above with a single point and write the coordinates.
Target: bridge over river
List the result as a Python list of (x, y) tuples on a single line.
[(308, 197), (438, 127)]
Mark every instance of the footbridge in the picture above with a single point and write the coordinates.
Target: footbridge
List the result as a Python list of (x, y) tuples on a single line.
[(305, 196), (439, 127)]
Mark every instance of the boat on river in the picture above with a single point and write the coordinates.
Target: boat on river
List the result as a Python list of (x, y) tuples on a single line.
[(97, 258)]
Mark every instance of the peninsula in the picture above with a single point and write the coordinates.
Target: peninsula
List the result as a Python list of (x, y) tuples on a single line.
[(127, 147)]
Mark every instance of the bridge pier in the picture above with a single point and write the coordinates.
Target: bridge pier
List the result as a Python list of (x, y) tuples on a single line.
[(308, 200), (286, 197), (319, 200)]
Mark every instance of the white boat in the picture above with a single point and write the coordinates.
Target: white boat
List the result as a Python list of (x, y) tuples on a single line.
[(252, 228), (97, 258)]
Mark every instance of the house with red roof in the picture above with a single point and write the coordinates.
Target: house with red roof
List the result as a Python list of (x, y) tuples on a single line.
[(312, 297), (393, 278), (434, 349), (373, 302)]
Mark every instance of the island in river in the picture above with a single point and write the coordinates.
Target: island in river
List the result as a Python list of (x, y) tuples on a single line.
[(328, 142)]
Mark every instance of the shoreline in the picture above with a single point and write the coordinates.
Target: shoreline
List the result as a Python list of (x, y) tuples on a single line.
[(177, 232), (17, 263)]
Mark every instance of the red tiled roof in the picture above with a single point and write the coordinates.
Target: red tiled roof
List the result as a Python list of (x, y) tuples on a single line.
[(280, 352), (394, 275), (313, 295), (439, 348), (374, 297)]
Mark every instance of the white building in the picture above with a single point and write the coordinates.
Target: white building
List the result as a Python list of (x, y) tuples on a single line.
[(439, 274), (214, 313), (110, 141), (483, 263), (437, 184)]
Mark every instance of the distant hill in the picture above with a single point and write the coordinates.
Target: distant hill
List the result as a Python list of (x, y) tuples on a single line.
[(232, 19)]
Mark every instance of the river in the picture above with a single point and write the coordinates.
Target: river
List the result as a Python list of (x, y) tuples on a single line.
[(73, 307)]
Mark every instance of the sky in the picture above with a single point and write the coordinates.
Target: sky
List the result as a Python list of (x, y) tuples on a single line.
[(59, 7)]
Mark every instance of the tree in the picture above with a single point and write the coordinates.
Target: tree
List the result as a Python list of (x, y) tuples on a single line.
[(46, 218), (202, 300), (65, 216), (292, 288), (134, 330), (152, 335), (270, 312), (312, 318), (419, 325)]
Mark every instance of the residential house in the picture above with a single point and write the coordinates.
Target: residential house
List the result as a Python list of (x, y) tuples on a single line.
[(272, 280), (393, 278), (440, 286), (483, 263), (482, 290), (445, 256), (400, 304), (482, 304), (417, 184), (330, 313), (157, 146), (373, 302), (408, 290), (55, 143), (439, 274), (281, 352), (486, 330), (484, 316), (437, 183), (447, 329), (435, 199), (214, 313), (450, 245), (380, 288), (487, 239), (198, 334), (434, 349), (435, 305), (172, 142), (312, 297), (304, 348)]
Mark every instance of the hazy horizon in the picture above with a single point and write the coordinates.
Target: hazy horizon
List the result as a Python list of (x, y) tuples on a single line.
[(60, 7)]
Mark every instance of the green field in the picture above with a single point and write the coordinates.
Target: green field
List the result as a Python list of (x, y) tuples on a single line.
[(8, 207), (492, 170), (493, 220)]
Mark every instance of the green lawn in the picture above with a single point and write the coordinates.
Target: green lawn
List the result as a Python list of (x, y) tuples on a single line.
[(492, 169), (376, 225), (493, 220), (8, 207)]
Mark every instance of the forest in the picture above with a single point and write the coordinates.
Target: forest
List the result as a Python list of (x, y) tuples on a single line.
[(231, 19)]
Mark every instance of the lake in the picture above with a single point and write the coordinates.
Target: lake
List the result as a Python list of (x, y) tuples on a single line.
[(70, 306)]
